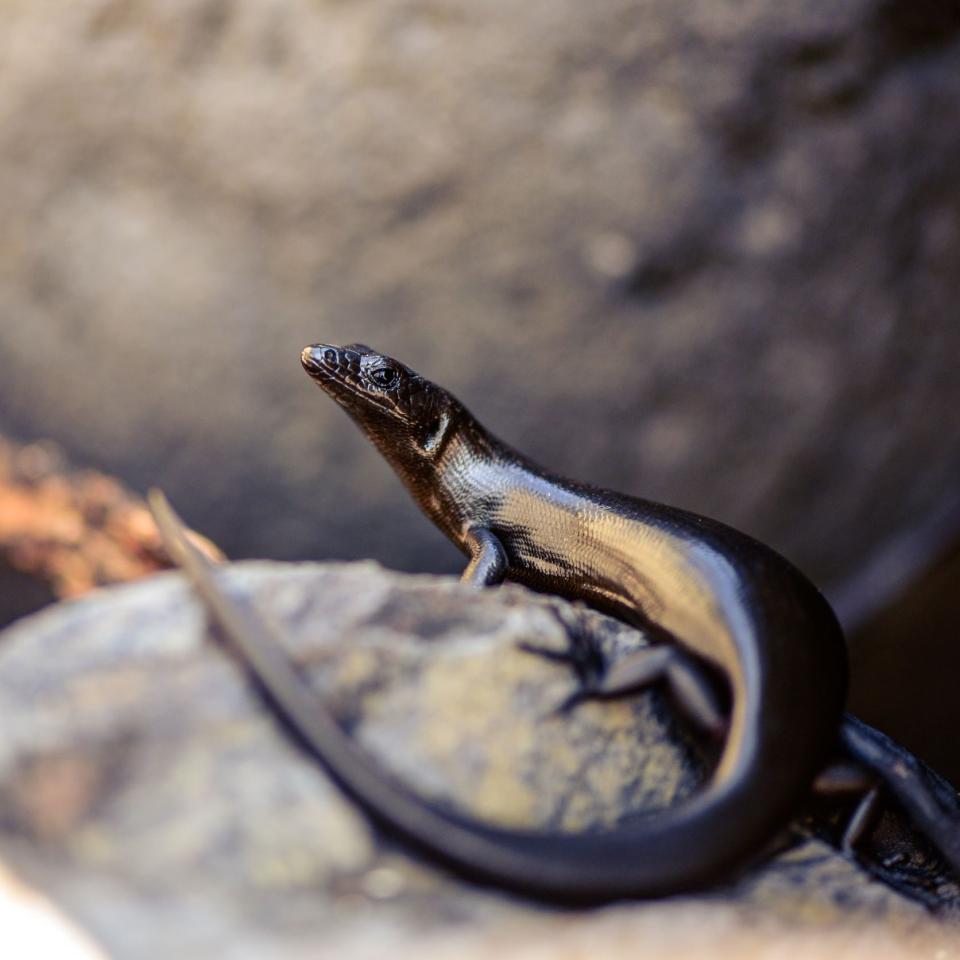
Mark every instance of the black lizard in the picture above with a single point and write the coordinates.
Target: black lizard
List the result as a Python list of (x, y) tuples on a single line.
[(701, 590)]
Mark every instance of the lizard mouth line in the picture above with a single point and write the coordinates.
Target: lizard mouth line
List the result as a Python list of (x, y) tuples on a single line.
[(332, 381), (310, 363)]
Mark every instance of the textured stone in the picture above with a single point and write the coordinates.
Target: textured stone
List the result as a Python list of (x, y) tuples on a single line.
[(701, 251), (145, 788)]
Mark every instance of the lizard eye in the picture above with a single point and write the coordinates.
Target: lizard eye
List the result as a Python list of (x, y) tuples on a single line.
[(384, 377)]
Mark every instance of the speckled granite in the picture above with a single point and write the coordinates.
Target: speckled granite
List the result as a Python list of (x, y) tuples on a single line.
[(145, 788)]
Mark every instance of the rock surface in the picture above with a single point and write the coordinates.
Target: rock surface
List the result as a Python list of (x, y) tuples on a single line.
[(144, 787), (702, 251)]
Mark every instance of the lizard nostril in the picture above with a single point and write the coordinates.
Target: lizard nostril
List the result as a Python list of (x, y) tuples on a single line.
[(318, 357)]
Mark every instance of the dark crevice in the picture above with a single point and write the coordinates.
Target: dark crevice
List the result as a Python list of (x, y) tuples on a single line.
[(422, 201), (210, 23), (747, 131), (654, 275), (21, 594), (829, 73), (815, 51), (908, 28)]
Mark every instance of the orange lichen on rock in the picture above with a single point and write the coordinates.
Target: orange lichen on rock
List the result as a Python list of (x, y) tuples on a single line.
[(72, 529)]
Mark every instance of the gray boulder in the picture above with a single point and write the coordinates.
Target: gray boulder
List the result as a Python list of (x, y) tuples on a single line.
[(147, 790)]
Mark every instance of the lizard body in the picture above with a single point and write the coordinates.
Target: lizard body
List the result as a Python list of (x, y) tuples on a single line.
[(687, 580)]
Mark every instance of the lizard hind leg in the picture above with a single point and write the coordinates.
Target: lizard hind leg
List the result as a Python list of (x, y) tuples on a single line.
[(878, 769), (687, 683), (929, 801), (846, 778)]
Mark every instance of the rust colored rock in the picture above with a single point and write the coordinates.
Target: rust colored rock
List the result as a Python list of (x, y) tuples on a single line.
[(64, 531)]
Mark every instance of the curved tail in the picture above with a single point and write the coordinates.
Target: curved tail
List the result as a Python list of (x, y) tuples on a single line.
[(761, 775)]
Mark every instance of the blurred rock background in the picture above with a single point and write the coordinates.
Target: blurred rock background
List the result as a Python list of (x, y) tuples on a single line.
[(705, 252)]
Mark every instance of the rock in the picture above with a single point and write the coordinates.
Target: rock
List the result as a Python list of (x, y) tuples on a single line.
[(703, 253), (145, 788), (65, 531)]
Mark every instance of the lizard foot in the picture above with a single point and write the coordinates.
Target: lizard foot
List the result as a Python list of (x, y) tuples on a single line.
[(583, 654), (687, 682)]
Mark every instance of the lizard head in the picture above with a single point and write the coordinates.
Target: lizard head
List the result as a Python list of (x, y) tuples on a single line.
[(405, 415)]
